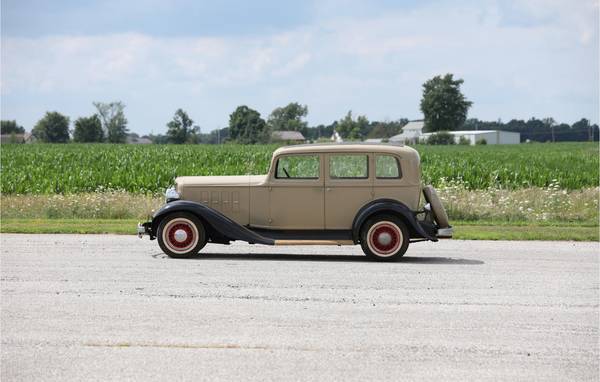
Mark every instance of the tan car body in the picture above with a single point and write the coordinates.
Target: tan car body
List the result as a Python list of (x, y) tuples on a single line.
[(326, 203)]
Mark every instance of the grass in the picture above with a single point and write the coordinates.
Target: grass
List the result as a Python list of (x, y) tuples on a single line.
[(82, 226), (528, 191), (462, 230), (149, 169), (522, 231), (531, 205)]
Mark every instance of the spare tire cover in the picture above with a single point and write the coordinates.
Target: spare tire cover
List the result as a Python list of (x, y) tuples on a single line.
[(439, 213)]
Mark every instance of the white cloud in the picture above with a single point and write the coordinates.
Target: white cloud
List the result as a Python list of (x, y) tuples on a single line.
[(374, 64), (70, 62)]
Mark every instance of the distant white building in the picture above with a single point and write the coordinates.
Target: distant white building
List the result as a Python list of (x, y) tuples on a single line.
[(491, 137), (336, 137), (137, 140), (413, 133), (410, 133), (373, 140)]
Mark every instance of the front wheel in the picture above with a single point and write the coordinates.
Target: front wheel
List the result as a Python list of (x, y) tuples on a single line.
[(384, 238), (181, 235)]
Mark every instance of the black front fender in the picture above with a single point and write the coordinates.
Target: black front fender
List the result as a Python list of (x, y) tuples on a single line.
[(220, 223), (388, 206)]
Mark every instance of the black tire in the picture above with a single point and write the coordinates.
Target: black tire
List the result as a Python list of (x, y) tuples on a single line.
[(181, 235), (374, 241), (439, 212)]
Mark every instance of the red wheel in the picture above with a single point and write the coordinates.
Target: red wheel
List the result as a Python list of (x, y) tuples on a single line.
[(384, 238), (181, 235)]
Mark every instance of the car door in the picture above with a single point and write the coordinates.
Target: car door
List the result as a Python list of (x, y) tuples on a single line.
[(296, 188), (348, 187)]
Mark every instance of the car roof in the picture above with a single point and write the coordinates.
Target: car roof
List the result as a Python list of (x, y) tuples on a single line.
[(354, 147)]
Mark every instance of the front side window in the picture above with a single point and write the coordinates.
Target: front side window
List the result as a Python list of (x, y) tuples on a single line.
[(349, 166), (297, 167), (387, 167)]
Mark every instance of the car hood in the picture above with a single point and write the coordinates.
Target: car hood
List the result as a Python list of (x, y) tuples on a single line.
[(220, 181)]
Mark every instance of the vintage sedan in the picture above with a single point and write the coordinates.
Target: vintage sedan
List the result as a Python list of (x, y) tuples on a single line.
[(323, 194)]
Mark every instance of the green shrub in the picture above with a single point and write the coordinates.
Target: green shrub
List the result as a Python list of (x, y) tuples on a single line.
[(441, 138), (464, 141)]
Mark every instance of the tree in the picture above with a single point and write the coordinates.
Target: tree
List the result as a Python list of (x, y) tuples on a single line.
[(441, 138), (386, 129), (584, 125), (443, 105), (52, 128), (289, 118), (11, 127), (88, 129), (319, 132), (246, 126), (348, 128), (181, 129), (217, 136), (113, 121)]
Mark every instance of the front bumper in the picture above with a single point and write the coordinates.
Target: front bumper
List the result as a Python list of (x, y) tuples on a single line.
[(145, 229)]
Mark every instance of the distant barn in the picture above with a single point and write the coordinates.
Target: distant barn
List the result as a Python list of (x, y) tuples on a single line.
[(17, 138), (410, 133), (287, 136), (490, 137), (413, 133)]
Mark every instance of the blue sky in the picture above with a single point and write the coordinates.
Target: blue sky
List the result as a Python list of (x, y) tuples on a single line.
[(518, 59)]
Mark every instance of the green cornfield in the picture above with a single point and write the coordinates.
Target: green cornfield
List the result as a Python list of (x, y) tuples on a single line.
[(148, 169)]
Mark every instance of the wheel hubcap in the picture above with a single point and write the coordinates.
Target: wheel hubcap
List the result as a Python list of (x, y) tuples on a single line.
[(180, 235), (384, 238)]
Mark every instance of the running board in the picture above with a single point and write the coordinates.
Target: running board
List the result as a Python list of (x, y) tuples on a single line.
[(314, 242)]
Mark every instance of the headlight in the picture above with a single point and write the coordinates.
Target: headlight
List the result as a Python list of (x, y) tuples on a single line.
[(171, 194)]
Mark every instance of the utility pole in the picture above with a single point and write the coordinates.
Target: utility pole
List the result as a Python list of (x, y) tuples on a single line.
[(549, 122)]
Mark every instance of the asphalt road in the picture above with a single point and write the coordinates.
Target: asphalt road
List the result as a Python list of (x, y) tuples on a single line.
[(98, 307)]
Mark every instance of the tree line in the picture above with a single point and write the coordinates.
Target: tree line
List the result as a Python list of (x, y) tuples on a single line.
[(108, 124), (443, 105)]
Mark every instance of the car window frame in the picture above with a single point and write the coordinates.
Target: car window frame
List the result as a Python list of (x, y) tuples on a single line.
[(362, 178), (398, 163), (319, 172)]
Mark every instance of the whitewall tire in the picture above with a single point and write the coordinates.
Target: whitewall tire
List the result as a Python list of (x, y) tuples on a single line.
[(181, 235), (384, 238)]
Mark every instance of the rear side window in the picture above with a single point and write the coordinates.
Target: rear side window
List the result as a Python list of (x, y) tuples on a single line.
[(297, 167), (348, 166), (387, 167)]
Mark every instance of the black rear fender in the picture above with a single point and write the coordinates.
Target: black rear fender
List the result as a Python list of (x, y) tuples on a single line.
[(389, 206)]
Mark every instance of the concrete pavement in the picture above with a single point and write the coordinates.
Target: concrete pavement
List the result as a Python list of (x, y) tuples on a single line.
[(81, 307)]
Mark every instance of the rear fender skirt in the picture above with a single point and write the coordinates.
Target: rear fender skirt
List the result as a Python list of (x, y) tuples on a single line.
[(388, 206), (217, 221)]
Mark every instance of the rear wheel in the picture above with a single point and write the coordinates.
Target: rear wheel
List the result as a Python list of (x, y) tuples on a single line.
[(181, 235), (384, 238)]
